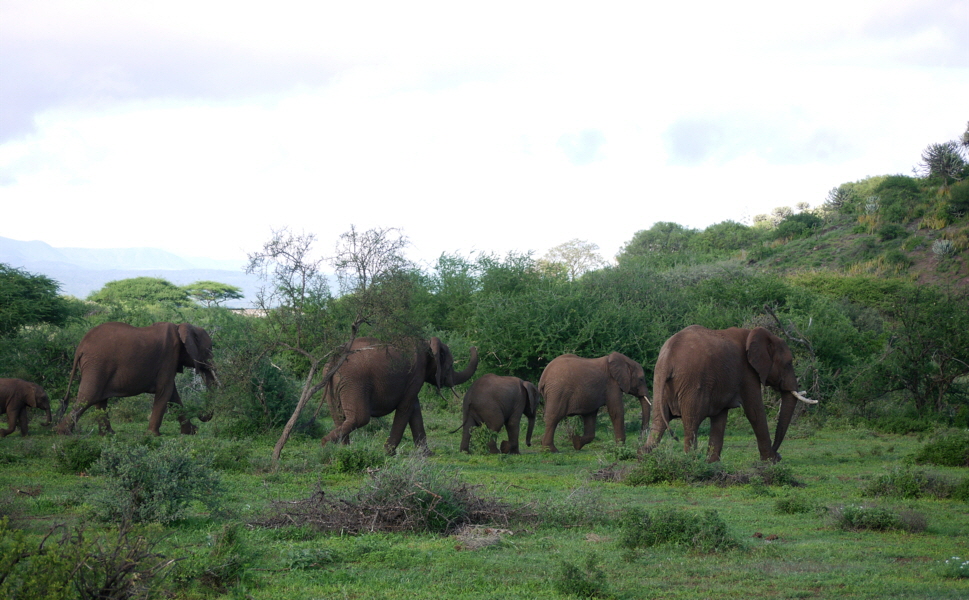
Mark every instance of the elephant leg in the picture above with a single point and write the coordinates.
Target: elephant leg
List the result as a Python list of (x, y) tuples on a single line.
[(492, 446), (185, 423), (588, 433), (548, 438), (402, 417), (466, 437), (416, 423), (159, 407), (341, 432), (12, 422), (618, 416), (23, 421), (514, 431), (718, 425), (690, 427)]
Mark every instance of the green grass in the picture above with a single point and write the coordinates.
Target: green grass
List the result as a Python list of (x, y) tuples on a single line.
[(567, 539)]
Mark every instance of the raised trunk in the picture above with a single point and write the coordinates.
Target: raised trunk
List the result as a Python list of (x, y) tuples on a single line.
[(462, 376), (788, 404)]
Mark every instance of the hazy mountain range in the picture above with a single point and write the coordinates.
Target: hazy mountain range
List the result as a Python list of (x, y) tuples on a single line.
[(81, 271)]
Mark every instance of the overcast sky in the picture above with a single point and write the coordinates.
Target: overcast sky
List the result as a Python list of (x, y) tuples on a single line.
[(198, 126)]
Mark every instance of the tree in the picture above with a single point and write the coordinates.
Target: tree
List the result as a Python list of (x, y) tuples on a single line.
[(141, 290), (943, 161), (663, 236), (212, 293), (576, 257), (28, 299)]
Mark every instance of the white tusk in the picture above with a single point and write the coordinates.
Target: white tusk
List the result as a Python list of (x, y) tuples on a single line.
[(803, 399)]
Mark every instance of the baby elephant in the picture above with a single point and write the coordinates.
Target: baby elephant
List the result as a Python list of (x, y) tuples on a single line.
[(15, 396), (494, 401)]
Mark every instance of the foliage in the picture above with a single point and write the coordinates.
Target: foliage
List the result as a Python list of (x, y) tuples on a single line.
[(943, 161), (794, 504), (145, 484), (859, 517), (124, 565), (76, 454), (948, 450), (576, 257), (955, 568), (898, 196), (798, 225), (907, 483), (358, 458), (141, 290), (223, 566), (588, 581), (29, 299), (705, 533), (666, 464), (663, 236), (582, 507), (212, 293)]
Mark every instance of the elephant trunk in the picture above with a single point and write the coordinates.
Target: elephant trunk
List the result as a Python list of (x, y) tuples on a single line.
[(788, 404), (49, 416), (462, 376)]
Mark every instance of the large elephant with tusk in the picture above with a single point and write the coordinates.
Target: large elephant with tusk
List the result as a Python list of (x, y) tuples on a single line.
[(703, 373)]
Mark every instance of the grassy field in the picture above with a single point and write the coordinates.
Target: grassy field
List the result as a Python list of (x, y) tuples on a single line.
[(565, 529)]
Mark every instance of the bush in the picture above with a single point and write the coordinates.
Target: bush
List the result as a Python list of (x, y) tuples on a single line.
[(357, 458), (902, 425), (704, 533), (666, 464), (949, 450), (76, 455), (152, 484), (910, 484), (859, 517), (223, 566), (955, 568), (793, 505), (588, 582), (891, 231), (583, 507)]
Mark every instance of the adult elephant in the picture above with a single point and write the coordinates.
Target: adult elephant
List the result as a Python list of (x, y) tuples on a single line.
[(572, 385), (377, 379), (496, 402), (15, 396), (703, 373), (117, 360)]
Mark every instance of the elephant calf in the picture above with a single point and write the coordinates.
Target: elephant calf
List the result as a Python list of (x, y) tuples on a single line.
[(15, 396), (497, 401)]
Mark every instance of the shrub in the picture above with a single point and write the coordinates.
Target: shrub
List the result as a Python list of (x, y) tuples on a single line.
[(357, 458), (583, 507), (891, 231), (704, 533), (147, 484), (667, 464), (223, 566), (909, 483), (859, 517), (793, 505), (76, 455), (902, 425), (949, 450), (76, 566), (955, 568), (588, 582)]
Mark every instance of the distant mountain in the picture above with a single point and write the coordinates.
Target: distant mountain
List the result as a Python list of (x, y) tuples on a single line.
[(81, 271)]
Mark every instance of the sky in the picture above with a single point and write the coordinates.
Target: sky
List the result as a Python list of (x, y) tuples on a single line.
[(199, 127)]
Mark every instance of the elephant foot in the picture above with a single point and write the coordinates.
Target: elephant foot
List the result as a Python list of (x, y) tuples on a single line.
[(189, 429), (504, 447), (577, 442)]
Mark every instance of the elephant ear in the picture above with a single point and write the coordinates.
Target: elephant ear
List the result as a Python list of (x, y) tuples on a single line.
[(191, 342), (760, 351), (31, 396), (531, 393), (438, 351), (621, 370)]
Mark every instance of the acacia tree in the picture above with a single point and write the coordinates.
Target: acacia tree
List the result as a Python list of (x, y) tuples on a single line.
[(306, 320), (212, 293), (575, 257)]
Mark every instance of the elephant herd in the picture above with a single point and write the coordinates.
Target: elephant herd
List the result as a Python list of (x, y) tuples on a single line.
[(700, 373)]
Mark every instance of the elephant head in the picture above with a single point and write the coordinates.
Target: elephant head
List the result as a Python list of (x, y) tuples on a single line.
[(441, 369), (197, 352), (39, 399), (628, 373), (773, 361)]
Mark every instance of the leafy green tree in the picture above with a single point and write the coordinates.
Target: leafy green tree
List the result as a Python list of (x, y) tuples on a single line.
[(141, 290), (943, 161), (798, 225), (663, 236), (897, 197), (724, 237), (28, 299), (212, 293)]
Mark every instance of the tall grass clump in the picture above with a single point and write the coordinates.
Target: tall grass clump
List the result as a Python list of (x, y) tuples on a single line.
[(358, 458), (76, 455), (588, 581), (948, 450), (861, 517), (146, 484), (955, 568), (705, 533), (667, 464)]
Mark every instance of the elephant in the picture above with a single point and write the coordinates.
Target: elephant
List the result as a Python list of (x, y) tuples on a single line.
[(572, 385), (117, 360), (497, 401), (379, 378), (704, 373), (15, 396)]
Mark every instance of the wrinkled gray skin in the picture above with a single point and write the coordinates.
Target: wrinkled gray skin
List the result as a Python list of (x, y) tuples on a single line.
[(581, 386), (702, 373), (15, 396), (496, 402), (378, 379), (116, 360)]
